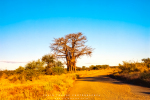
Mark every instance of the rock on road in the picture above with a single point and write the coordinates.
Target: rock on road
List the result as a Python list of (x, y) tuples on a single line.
[(98, 86)]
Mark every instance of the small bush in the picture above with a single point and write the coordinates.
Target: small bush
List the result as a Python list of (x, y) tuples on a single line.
[(8, 72), (57, 70), (83, 67), (33, 69), (29, 74), (22, 78), (148, 65), (1, 74), (5, 76), (19, 70), (145, 75), (49, 71), (13, 79), (128, 67), (77, 76)]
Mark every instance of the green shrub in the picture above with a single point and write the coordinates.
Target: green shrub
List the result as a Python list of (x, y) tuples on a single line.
[(58, 64), (20, 70), (146, 61), (1, 74), (29, 74), (145, 75), (128, 67), (91, 67), (83, 67), (9, 72), (48, 71), (34, 69), (14, 79), (57, 70), (77, 76), (148, 65)]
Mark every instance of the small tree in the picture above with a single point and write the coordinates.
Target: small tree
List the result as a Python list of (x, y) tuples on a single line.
[(83, 67), (147, 62), (34, 69), (49, 60), (59, 64), (20, 70), (58, 70), (92, 67)]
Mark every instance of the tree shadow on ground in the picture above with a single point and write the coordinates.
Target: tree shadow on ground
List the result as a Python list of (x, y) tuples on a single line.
[(136, 82), (146, 92), (101, 78), (110, 79)]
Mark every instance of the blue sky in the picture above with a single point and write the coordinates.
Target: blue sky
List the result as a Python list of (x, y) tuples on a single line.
[(119, 30)]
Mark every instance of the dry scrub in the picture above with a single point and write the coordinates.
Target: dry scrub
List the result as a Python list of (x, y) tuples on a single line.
[(46, 87), (138, 73)]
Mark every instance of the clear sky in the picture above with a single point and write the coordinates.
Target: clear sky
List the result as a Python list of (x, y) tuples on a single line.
[(119, 30)]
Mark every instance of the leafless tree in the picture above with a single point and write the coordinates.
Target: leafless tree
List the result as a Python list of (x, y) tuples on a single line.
[(71, 47)]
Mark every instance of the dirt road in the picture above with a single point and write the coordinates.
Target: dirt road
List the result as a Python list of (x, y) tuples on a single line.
[(98, 86)]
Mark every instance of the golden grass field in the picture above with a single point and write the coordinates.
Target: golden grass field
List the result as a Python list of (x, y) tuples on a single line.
[(41, 89)]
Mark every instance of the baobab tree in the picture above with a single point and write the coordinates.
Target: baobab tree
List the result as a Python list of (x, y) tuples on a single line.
[(71, 47)]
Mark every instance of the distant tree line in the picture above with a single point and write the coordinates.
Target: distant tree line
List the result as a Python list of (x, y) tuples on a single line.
[(92, 67), (97, 67)]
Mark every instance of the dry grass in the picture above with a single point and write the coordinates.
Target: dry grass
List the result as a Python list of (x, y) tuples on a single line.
[(46, 87)]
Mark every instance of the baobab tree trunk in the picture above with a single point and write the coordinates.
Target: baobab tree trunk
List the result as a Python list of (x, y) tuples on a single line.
[(73, 62), (67, 59), (75, 66)]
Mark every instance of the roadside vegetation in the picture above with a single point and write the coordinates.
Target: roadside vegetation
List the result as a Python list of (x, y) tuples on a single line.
[(135, 72), (43, 79), (46, 87)]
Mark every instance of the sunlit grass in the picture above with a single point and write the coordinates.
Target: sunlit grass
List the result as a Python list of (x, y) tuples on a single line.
[(46, 87)]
